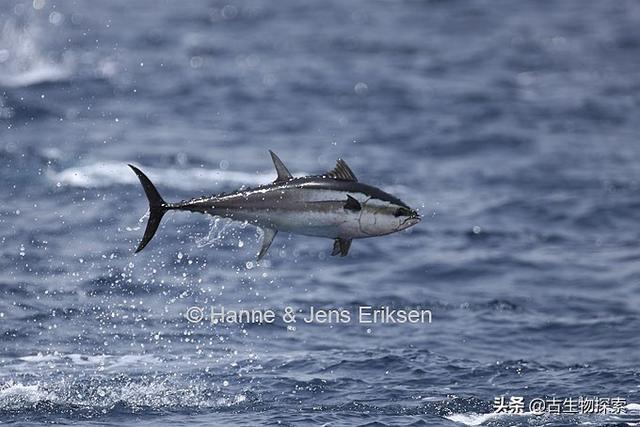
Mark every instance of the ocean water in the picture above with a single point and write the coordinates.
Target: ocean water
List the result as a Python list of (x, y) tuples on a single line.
[(513, 127)]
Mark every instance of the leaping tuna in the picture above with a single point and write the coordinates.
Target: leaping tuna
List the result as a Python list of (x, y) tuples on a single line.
[(333, 205)]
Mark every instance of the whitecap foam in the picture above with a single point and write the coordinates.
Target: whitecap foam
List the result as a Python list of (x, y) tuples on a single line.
[(475, 419), (23, 63), (38, 358), (104, 360), (35, 74), (104, 394), (105, 174), (472, 419), (633, 407), (16, 395), (129, 360), (17, 389)]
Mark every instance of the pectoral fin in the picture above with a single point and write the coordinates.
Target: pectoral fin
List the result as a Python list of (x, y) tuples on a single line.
[(267, 238), (341, 246), (352, 204)]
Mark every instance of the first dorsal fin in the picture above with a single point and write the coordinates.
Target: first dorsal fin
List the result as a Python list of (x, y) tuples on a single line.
[(342, 171), (283, 172)]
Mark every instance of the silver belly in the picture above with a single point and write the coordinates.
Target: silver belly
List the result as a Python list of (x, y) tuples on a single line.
[(320, 219)]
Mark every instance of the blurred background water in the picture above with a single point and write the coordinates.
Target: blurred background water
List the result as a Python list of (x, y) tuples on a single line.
[(512, 126)]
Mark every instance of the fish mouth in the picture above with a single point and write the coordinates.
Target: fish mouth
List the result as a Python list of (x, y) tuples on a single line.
[(411, 220)]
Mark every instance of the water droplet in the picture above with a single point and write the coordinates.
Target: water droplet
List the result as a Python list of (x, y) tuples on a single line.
[(361, 88), (229, 12), (196, 62), (55, 18)]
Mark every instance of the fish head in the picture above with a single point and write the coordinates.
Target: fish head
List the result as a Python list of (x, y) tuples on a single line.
[(406, 217), (380, 217)]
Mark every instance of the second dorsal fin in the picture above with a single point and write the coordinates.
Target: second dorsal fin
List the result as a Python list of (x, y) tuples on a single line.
[(281, 169), (342, 171)]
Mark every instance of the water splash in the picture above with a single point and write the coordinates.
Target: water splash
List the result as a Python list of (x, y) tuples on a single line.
[(141, 220), (219, 229), (101, 394)]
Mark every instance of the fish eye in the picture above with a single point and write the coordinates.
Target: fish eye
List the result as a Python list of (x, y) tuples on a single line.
[(402, 212)]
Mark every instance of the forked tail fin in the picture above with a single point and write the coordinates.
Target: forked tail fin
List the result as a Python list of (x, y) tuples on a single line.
[(157, 208)]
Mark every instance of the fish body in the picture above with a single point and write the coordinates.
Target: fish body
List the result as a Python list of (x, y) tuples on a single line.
[(333, 205)]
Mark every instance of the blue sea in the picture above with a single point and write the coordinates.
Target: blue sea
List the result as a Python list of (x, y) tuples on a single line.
[(513, 128)]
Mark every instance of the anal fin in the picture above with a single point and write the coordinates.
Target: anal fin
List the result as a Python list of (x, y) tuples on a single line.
[(341, 246), (267, 238)]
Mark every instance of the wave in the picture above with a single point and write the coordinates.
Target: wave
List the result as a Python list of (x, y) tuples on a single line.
[(37, 73), (476, 419), (23, 64), (100, 396), (106, 174), (472, 419), (105, 361), (15, 396)]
